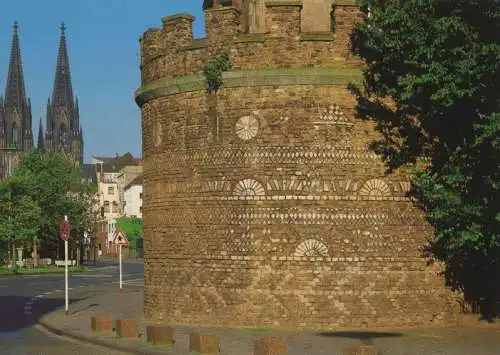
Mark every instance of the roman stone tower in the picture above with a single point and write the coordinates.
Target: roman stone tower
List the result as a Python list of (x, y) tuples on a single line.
[(63, 131), (263, 204), (15, 112)]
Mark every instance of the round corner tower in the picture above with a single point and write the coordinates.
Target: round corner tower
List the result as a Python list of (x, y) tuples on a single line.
[(263, 205)]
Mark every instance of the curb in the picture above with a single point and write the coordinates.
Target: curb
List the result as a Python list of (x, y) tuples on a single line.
[(101, 343), (51, 273)]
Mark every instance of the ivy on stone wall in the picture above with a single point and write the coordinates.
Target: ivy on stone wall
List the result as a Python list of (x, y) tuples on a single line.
[(213, 71)]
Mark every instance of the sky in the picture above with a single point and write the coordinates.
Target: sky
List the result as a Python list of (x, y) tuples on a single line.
[(104, 56)]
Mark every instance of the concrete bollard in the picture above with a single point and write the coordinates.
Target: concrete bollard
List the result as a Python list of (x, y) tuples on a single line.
[(160, 334), (360, 350), (270, 346), (127, 328), (204, 343), (102, 323)]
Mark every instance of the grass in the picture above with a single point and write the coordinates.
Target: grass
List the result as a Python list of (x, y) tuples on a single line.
[(39, 270)]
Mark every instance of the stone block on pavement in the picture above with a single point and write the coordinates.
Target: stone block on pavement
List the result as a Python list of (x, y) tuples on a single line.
[(127, 328), (204, 343), (270, 346), (102, 323), (360, 350), (160, 334)]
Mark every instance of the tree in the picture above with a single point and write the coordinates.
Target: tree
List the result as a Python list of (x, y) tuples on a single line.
[(58, 190), (431, 86), (21, 215)]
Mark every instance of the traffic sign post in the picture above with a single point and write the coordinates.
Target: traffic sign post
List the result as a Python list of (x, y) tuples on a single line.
[(120, 239), (64, 234)]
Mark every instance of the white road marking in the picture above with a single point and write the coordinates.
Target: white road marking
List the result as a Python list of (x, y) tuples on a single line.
[(3, 286)]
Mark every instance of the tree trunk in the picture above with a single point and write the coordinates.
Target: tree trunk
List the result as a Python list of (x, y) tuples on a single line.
[(35, 252), (14, 252)]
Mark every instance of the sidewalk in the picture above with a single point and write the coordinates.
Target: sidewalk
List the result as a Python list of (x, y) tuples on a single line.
[(458, 341)]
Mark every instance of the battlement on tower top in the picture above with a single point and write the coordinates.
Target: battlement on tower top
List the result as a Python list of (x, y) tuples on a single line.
[(274, 34)]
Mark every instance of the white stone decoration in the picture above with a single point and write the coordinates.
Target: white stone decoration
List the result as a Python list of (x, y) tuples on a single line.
[(247, 127), (331, 114), (249, 187), (158, 134), (375, 187), (311, 247)]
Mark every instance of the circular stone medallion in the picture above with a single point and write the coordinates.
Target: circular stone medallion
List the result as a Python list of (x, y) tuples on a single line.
[(247, 127)]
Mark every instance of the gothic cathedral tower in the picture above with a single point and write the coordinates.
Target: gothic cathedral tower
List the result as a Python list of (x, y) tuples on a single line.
[(15, 109), (15, 113), (63, 130)]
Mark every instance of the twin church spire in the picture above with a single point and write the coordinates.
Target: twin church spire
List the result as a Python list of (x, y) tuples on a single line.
[(63, 131)]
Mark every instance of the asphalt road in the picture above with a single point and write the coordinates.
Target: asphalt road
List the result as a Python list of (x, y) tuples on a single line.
[(24, 299)]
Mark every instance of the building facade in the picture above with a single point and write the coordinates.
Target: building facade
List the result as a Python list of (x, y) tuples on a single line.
[(263, 203), (133, 198), (128, 174), (113, 175)]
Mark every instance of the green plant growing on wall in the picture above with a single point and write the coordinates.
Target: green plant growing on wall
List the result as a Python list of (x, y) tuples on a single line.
[(213, 71)]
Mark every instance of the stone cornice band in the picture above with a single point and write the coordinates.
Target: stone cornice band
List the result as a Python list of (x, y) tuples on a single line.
[(249, 78)]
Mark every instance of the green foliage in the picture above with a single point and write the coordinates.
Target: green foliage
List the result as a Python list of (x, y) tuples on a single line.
[(213, 71), (131, 226), (431, 86), (21, 215), (436, 60), (44, 188)]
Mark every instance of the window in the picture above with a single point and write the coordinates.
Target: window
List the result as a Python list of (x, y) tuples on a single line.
[(140, 209), (62, 134), (15, 134), (115, 207), (111, 190), (140, 195), (106, 206)]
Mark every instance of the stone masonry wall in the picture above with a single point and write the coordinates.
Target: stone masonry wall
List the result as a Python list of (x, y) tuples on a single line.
[(263, 205), (170, 52)]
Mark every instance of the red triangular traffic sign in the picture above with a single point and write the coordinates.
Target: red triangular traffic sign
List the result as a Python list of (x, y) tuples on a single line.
[(120, 238)]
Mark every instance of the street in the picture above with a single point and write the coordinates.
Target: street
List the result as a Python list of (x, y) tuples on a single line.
[(24, 299)]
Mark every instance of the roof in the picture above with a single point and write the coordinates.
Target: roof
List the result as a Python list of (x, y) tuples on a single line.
[(88, 172), (136, 182), (125, 159)]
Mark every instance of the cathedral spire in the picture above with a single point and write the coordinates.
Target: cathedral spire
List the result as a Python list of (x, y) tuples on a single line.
[(40, 144), (63, 91), (15, 93)]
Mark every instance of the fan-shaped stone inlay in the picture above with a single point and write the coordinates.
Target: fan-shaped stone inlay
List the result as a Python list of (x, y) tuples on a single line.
[(375, 187), (311, 247), (249, 187), (247, 127)]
